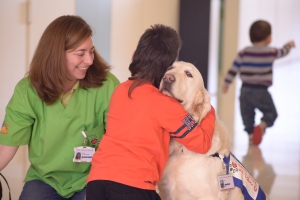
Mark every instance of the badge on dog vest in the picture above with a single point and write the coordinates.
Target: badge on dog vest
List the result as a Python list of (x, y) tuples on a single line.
[(225, 182)]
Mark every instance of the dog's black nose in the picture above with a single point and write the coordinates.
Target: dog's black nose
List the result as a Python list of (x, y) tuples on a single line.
[(169, 78)]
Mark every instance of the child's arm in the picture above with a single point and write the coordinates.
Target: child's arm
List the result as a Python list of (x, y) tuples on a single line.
[(292, 43), (231, 74), (225, 88), (286, 49), (200, 138)]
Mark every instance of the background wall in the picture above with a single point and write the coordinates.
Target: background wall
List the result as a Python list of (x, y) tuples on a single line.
[(22, 23), (13, 66), (129, 20), (228, 33), (98, 15), (194, 23), (118, 26)]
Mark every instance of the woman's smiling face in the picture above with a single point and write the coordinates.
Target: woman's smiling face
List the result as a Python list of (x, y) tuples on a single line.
[(80, 59)]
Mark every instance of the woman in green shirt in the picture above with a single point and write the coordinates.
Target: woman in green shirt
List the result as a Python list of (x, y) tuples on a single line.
[(58, 110)]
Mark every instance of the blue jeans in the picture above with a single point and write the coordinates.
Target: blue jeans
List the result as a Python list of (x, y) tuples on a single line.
[(260, 98), (38, 190)]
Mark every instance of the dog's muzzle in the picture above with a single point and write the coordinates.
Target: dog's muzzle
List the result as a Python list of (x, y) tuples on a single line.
[(167, 81), (169, 78)]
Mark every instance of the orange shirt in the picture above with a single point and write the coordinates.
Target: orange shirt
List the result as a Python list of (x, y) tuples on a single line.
[(135, 148)]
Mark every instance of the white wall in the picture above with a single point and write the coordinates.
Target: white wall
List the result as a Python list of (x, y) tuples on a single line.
[(118, 25), (213, 60), (13, 67), (12, 49), (19, 36), (98, 15), (42, 13), (129, 20), (228, 49)]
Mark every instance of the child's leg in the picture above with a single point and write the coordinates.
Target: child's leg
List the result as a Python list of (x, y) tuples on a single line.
[(265, 104), (247, 110), (263, 125), (268, 109)]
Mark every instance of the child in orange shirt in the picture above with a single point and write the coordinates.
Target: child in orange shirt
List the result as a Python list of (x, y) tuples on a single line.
[(132, 154)]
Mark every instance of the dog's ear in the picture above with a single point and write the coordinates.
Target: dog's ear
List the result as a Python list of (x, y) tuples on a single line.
[(201, 104)]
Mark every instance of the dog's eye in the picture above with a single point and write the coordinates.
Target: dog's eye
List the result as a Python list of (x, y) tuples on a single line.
[(188, 74)]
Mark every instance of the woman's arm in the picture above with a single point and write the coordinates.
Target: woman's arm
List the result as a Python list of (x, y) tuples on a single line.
[(6, 155)]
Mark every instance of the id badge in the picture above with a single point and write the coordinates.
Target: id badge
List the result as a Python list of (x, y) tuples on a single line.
[(83, 154), (225, 182)]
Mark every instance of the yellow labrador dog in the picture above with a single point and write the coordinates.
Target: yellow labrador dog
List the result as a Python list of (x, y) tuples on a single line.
[(189, 175)]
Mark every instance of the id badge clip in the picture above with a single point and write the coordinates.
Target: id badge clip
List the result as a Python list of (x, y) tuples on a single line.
[(83, 153)]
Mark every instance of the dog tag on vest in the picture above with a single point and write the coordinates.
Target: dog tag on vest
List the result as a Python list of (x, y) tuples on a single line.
[(225, 182)]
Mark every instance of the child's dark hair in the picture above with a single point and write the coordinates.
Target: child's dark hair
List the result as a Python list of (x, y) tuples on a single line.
[(259, 31), (157, 49)]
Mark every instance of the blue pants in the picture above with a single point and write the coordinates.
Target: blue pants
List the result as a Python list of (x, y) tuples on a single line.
[(260, 98), (38, 190)]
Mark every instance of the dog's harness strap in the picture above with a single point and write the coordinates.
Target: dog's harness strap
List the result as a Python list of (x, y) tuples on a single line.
[(243, 179), (215, 155), (226, 161)]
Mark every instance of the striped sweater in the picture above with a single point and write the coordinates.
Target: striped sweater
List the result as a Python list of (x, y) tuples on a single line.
[(255, 63)]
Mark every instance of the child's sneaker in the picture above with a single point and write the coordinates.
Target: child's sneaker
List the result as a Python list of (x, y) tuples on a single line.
[(257, 135)]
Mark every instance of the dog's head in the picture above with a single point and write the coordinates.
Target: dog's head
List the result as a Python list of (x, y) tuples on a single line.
[(184, 82)]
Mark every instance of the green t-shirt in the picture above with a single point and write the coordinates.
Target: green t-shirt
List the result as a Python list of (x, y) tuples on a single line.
[(52, 132)]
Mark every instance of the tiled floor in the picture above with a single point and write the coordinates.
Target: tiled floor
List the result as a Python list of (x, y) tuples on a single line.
[(275, 163)]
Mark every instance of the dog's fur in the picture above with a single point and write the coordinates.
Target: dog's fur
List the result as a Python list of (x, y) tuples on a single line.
[(189, 175)]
